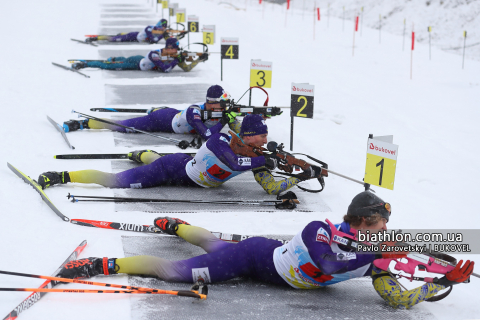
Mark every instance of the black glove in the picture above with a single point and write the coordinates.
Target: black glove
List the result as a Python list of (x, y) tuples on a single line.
[(203, 57), (180, 57), (310, 173), (271, 161)]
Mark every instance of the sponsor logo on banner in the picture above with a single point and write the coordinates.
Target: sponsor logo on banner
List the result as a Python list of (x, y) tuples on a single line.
[(323, 236), (233, 41), (261, 65), (244, 161), (381, 149), (201, 274), (341, 240), (343, 256), (302, 89)]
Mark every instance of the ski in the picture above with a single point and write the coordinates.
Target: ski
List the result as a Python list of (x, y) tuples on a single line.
[(39, 189), (143, 228), (34, 297), (70, 69), (119, 110), (61, 130), (105, 156), (84, 42)]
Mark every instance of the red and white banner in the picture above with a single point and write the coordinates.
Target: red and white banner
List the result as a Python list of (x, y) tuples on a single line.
[(356, 23), (413, 40)]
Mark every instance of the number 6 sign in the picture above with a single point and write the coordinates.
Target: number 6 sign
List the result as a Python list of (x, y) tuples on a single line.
[(381, 163)]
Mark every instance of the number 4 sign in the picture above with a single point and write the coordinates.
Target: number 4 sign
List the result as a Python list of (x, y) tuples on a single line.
[(381, 162)]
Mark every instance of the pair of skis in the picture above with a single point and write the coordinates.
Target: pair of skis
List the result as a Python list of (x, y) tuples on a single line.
[(48, 285), (70, 69)]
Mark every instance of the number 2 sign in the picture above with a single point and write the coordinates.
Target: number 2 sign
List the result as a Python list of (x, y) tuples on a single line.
[(381, 163), (301, 100)]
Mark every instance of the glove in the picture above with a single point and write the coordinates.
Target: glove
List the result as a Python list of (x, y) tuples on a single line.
[(310, 173), (203, 57), (180, 57), (228, 117), (458, 275), (271, 161), (390, 255)]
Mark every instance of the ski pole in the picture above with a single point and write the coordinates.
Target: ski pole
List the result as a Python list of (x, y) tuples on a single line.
[(122, 199), (92, 283), (183, 293), (105, 156), (183, 144)]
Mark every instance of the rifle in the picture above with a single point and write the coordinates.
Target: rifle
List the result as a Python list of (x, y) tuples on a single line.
[(431, 261), (287, 160)]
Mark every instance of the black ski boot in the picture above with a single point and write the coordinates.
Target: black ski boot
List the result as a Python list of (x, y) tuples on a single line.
[(89, 267), (50, 178), (91, 39), (169, 225), (74, 125), (79, 65)]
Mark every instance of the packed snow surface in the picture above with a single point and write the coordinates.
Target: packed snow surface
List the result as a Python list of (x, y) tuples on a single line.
[(433, 117)]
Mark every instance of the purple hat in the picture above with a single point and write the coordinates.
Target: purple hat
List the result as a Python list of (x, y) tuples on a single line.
[(214, 93), (172, 42), (252, 125)]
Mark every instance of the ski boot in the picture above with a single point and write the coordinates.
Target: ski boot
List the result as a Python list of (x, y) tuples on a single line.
[(91, 39), (89, 267), (79, 65), (74, 125), (137, 155), (50, 178), (169, 225)]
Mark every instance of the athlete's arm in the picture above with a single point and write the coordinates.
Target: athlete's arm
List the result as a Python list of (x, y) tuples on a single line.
[(268, 183), (220, 146), (195, 120), (235, 126), (316, 236), (389, 289), (153, 38), (187, 67), (154, 56)]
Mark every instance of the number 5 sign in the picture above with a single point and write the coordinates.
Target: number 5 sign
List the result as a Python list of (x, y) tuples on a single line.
[(260, 74), (381, 162), (208, 34)]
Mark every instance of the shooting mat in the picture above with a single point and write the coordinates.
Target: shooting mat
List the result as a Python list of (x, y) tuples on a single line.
[(128, 15), (245, 299)]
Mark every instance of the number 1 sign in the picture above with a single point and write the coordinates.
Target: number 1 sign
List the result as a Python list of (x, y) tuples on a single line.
[(381, 162)]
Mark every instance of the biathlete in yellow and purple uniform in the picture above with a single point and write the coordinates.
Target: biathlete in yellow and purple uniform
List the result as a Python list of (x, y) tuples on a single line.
[(214, 164), (308, 261), (172, 120)]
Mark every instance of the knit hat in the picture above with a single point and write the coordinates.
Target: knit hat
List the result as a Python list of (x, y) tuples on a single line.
[(366, 204), (214, 93), (172, 42), (162, 23), (252, 125)]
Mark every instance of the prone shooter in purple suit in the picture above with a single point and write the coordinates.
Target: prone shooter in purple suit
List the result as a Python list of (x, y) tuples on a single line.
[(151, 34), (162, 60)]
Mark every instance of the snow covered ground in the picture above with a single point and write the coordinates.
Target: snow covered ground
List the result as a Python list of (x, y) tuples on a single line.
[(433, 117)]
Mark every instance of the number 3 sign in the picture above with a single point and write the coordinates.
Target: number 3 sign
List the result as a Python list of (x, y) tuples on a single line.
[(260, 74), (381, 163)]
